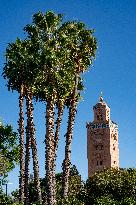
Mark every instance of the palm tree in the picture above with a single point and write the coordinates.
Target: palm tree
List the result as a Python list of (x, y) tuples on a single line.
[(82, 46), (43, 31), (53, 84), (21, 134), (15, 82), (18, 72), (31, 143)]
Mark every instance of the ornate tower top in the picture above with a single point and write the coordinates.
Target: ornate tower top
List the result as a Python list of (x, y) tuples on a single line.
[(101, 111)]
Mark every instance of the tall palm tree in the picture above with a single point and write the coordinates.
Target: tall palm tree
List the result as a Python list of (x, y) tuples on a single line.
[(31, 143), (82, 45), (53, 84), (21, 134), (16, 82), (43, 31), (18, 72)]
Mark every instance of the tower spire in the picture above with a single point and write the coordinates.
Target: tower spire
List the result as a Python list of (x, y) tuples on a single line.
[(101, 98)]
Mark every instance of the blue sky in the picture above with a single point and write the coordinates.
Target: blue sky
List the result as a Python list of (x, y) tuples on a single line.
[(113, 72)]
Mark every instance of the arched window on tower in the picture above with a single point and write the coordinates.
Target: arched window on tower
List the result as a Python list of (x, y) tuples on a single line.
[(115, 137), (101, 162)]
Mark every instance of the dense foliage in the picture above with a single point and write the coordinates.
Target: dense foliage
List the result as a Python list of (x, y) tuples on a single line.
[(9, 149), (108, 187), (76, 186), (112, 186), (9, 157), (7, 200)]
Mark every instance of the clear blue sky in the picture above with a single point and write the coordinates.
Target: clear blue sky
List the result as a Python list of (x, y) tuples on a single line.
[(113, 72)]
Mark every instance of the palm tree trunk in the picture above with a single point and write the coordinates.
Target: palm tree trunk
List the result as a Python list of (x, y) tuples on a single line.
[(56, 140), (49, 143), (58, 123), (27, 155), (33, 146), (27, 162), (66, 163), (21, 134)]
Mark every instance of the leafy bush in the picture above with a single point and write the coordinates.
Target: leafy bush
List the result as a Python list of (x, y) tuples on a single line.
[(105, 200), (110, 184)]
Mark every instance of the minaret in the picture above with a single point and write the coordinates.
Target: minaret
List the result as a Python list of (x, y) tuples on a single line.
[(102, 140)]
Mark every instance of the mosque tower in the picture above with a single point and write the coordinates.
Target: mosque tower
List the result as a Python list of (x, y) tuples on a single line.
[(102, 140)]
